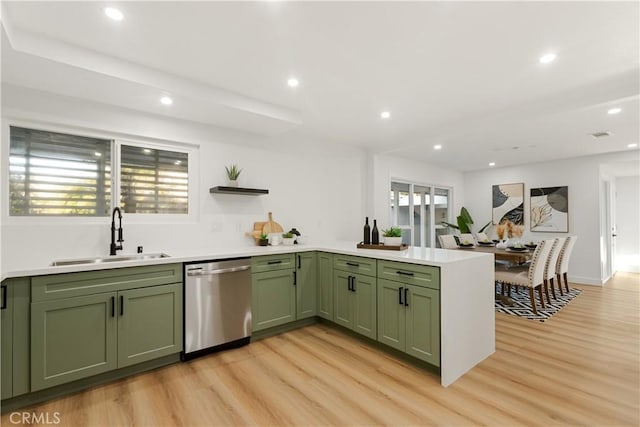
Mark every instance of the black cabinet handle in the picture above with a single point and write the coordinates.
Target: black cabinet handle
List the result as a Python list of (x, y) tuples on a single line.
[(121, 305), (299, 261), (295, 279), (406, 297), (274, 262), (404, 273), (4, 297), (348, 283), (113, 306), (353, 264), (353, 283), (400, 296)]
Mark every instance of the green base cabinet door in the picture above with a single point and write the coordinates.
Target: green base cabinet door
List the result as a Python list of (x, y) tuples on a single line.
[(423, 324), (149, 323), (391, 314), (365, 296), (306, 284), (343, 301), (273, 297), (6, 323), (325, 286), (72, 338)]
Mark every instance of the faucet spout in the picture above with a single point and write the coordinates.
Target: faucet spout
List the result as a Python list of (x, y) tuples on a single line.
[(113, 248)]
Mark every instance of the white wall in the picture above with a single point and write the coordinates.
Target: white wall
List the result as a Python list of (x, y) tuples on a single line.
[(385, 167), (317, 188), (582, 175), (627, 223)]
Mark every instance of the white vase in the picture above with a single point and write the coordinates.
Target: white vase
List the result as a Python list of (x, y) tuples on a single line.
[(502, 244), (288, 241), (232, 183), (393, 241)]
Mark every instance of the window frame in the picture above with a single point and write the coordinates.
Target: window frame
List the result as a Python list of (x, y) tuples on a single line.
[(117, 139)]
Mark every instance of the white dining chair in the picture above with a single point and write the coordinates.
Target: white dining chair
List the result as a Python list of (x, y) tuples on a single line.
[(531, 277), (562, 266), (467, 237), (551, 265), (447, 241), (482, 237)]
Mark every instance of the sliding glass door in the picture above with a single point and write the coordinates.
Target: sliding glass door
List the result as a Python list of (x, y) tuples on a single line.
[(418, 210)]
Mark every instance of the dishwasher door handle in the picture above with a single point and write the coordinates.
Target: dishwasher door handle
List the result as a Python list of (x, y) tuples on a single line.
[(200, 272)]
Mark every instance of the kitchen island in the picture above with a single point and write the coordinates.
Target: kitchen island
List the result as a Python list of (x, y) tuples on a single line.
[(466, 290)]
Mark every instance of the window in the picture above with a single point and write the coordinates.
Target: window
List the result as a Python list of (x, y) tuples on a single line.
[(418, 210), (58, 174)]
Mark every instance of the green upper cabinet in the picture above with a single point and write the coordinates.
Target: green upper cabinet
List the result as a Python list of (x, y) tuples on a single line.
[(306, 284), (72, 338), (325, 285), (149, 323), (14, 323), (273, 297)]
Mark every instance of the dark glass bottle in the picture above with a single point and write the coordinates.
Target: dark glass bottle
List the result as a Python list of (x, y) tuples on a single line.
[(375, 237), (367, 232)]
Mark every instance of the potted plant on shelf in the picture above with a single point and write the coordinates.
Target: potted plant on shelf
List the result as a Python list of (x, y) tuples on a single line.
[(264, 240), (233, 172), (288, 239), (392, 236)]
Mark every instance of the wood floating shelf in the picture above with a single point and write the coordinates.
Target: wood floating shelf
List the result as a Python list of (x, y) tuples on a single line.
[(401, 247), (237, 190)]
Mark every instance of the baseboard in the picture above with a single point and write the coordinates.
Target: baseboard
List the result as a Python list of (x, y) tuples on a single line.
[(586, 281)]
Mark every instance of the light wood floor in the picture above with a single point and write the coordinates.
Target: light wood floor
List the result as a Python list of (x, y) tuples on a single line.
[(579, 368)]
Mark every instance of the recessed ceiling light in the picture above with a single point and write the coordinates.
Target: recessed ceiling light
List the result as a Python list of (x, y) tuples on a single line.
[(166, 100), (293, 82), (492, 164), (634, 145), (549, 57), (114, 13), (437, 147), (614, 110), (146, 150), (385, 114)]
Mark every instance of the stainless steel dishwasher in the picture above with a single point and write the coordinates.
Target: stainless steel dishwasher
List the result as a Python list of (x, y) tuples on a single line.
[(217, 306)]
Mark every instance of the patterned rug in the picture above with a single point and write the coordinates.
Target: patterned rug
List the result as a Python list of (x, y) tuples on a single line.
[(522, 307)]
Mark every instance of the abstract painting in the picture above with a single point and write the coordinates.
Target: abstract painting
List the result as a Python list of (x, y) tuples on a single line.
[(550, 209), (508, 203)]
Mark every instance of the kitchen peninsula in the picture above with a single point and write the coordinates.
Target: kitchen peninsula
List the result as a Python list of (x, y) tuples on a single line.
[(462, 290)]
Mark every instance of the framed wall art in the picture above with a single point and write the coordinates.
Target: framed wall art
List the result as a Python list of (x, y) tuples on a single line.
[(508, 203), (550, 209)]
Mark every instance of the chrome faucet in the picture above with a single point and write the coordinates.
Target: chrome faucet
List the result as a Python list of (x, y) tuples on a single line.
[(113, 248)]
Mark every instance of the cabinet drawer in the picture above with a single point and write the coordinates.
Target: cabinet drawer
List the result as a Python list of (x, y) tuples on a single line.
[(260, 264), (68, 285), (414, 274), (355, 264)]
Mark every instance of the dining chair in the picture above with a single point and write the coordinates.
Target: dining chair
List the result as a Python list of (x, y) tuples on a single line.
[(482, 237), (447, 241), (467, 237), (531, 277), (551, 265), (562, 266)]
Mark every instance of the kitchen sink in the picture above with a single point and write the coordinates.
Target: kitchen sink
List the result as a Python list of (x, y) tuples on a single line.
[(115, 258)]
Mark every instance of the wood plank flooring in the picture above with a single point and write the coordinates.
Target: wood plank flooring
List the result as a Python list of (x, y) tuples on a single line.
[(579, 368)]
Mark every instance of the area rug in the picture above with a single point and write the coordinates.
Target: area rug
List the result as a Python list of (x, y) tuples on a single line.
[(522, 307)]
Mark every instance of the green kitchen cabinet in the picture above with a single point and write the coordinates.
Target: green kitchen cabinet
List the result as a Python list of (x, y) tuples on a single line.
[(149, 323), (14, 330), (355, 298), (409, 319), (273, 297), (73, 338), (325, 286), (306, 284)]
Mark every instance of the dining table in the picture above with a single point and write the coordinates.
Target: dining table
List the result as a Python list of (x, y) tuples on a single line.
[(512, 256)]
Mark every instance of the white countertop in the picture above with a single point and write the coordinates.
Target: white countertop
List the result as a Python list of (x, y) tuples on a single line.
[(414, 255)]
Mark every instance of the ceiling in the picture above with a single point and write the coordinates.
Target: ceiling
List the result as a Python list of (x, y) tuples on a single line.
[(461, 74)]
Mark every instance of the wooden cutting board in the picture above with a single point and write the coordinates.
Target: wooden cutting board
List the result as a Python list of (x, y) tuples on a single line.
[(257, 230), (271, 226)]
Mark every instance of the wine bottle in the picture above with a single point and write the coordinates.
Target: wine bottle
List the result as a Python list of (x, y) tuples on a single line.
[(375, 237), (367, 232)]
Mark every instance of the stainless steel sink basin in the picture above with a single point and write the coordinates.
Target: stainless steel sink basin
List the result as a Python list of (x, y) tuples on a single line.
[(115, 258)]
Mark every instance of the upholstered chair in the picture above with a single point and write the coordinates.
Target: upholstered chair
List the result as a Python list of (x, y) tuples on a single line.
[(447, 241), (467, 237), (551, 265), (563, 262)]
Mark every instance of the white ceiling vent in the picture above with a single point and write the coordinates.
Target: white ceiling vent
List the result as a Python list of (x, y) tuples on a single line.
[(601, 134)]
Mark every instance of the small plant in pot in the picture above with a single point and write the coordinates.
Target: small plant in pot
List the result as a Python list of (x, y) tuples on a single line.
[(288, 239), (392, 236), (264, 240), (233, 172)]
